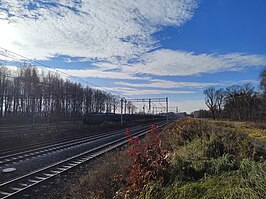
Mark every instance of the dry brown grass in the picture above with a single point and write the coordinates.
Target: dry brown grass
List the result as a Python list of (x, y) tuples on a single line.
[(98, 182), (202, 153)]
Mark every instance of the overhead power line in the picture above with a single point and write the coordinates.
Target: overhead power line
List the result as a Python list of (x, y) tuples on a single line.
[(38, 63)]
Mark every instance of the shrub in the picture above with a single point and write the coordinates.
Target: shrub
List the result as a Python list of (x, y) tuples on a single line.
[(149, 163), (207, 160), (215, 163)]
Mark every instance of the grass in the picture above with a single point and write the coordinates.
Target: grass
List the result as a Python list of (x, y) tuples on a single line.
[(208, 159), (99, 182), (248, 181), (253, 130)]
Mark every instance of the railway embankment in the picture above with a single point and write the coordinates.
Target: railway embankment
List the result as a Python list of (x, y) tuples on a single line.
[(29, 171), (191, 158)]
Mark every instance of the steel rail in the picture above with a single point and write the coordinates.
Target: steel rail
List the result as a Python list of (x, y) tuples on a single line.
[(58, 146), (8, 151), (20, 184)]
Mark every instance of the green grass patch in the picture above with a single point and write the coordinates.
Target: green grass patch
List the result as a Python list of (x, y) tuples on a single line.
[(207, 159), (210, 160), (253, 130)]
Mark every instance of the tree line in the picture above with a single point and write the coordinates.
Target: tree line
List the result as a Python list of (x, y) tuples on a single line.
[(236, 102), (47, 96)]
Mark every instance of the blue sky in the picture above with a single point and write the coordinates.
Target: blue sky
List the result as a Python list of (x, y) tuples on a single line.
[(142, 48)]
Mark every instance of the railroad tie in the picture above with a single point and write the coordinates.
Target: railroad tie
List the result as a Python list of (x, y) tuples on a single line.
[(15, 188), (4, 193)]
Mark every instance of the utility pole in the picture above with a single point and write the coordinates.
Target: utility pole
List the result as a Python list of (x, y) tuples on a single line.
[(121, 111), (149, 106), (167, 119), (150, 100), (125, 106)]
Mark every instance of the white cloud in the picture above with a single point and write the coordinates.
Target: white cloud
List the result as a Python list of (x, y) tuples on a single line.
[(157, 83), (95, 29), (172, 63), (175, 63), (180, 63), (110, 34), (136, 92), (88, 73)]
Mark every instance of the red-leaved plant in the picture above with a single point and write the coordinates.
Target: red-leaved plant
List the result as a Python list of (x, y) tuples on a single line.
[(149, 162)]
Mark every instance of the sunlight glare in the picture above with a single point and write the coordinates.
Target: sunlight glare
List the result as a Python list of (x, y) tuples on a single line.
[(7, 35)]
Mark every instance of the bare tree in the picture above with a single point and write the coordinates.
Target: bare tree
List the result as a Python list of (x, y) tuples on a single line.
[(116, 103), (263, 80), (4, 75), (48, 96), (219, 97), (233, 102), (210, 100), (249, 96)]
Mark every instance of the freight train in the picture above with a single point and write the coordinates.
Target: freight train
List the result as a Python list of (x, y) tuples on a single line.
[(100, 118)]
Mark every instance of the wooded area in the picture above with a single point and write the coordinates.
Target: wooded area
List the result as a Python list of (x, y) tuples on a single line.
[(237, 102), (33, 96)]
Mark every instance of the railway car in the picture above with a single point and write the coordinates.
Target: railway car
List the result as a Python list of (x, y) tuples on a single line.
[(100, 118)]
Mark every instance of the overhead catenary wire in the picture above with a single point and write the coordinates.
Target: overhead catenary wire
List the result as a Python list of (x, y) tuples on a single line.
[(40, 64)]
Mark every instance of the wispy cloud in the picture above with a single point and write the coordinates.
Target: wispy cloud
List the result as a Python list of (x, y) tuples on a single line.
[(89, 73), (126, 91), (157, 83), (111, 35), (95, 29), (174, 63), (180, 63)]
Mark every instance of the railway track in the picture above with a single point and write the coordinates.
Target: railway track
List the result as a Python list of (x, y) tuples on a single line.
[(22, 129), (18, 185), (7, 151), (36, 150)]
